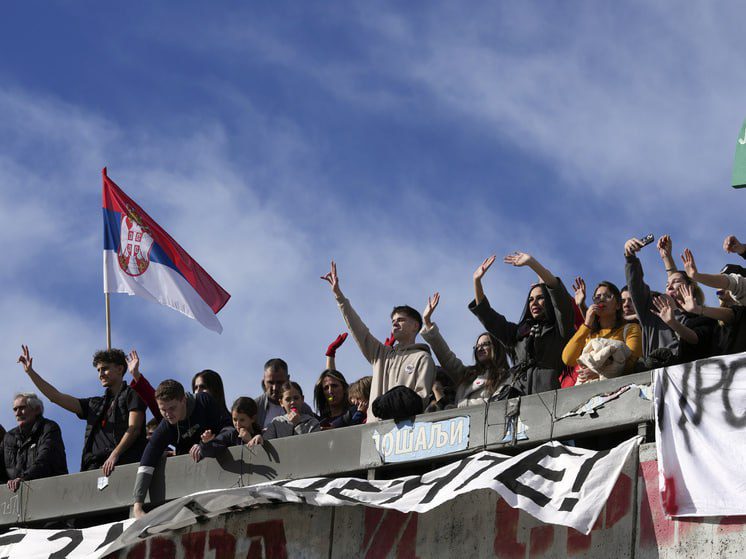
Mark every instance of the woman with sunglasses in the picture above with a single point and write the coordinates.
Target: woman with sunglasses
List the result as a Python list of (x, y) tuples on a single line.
[(604, 319), (487, 379)]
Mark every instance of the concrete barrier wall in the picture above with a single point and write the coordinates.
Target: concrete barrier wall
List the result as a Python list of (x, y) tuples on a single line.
[(480, 524)]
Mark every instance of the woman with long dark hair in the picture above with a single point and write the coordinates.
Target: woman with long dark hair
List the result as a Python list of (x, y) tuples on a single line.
[(604, 319), (487, 379), (543, 329), (210, 381)]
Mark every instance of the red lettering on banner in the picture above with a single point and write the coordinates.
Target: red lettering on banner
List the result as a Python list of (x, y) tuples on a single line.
[(270, 535), (384, 529), (161, 548)]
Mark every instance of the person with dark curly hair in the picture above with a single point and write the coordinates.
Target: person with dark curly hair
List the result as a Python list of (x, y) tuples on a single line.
[(115, 422)]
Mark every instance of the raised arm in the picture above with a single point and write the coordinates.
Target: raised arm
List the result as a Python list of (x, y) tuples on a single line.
[(664, 309), (578, 287), (733, 245), (70, 403), (718, 281), (368, 344), (141, 385), (634, 276), (478, 274), (453, 366), (524, 259), (665, 246), (331, 351), (691, 306)]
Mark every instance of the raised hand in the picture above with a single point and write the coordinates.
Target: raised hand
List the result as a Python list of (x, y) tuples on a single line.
[(732, 244), (688, 299), (632, 246), (331, 351), (333, 279), (133, 364), (25, 359), (579, 287), (690, 267), (663, 308), (483, 267), (665, 245), (517, 259), (207, 436), (432, 303)]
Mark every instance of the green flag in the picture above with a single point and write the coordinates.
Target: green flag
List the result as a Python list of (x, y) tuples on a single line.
[(739, 165)]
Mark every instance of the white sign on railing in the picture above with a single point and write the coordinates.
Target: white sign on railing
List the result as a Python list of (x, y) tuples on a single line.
[(422, 439)]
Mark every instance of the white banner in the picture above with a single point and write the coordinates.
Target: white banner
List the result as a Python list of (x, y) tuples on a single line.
[(700, 419), (85, 542), (555, 483)]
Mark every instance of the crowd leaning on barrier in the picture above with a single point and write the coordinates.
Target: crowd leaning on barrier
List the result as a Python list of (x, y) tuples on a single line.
[(622, 331)]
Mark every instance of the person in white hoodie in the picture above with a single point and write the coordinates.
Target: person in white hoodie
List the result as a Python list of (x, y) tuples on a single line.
[(407, 363)]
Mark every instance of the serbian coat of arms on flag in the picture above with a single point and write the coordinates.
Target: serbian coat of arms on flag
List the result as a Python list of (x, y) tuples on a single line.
[(140, 258)]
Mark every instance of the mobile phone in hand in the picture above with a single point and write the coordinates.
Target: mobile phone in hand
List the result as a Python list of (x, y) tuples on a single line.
[(647, 239)]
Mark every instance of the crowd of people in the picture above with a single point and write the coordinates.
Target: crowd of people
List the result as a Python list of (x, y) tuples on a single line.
[(558, 341)]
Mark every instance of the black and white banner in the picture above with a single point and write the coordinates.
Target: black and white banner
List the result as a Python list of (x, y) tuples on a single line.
[(701, 433), (555, 483)]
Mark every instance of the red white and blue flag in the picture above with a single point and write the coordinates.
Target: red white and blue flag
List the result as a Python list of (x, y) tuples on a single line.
[(140, 258)]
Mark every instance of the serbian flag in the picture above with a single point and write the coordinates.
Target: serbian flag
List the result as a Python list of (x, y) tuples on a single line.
[(142, 259)]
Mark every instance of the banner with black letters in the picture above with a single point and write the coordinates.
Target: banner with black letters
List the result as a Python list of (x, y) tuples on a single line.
[(555, 483), (700, 410)]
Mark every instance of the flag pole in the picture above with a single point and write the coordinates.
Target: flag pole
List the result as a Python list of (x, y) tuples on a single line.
[(108, 322), (106, 295)]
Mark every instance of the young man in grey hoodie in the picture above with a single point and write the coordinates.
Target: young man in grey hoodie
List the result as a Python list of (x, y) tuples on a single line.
[(407, 363)]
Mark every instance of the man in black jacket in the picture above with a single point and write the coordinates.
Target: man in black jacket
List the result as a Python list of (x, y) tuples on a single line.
[(34, 449), (185, 418)]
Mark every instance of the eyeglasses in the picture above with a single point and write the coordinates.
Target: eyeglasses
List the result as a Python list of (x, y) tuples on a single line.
[(598, 297), (485, 345), (18, 408)]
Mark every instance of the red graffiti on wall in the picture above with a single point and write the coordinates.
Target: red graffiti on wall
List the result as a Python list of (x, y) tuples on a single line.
[(541, 538), (386, 530), (266, 541)]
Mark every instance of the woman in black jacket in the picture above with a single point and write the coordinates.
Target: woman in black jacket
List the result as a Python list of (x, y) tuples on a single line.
[(546, 324)]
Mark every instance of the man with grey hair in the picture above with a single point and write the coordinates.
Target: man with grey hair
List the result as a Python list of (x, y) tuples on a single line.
[(34, 449)]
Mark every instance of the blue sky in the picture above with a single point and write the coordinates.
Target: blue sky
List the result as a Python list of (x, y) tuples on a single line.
[(408, 143)]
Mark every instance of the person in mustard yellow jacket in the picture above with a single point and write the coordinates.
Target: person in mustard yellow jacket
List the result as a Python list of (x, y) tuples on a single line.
[(604, 319)]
